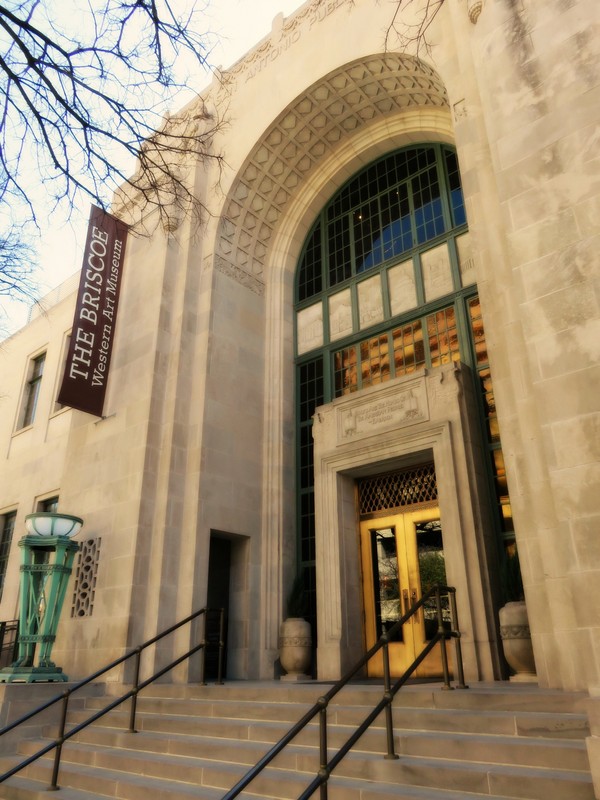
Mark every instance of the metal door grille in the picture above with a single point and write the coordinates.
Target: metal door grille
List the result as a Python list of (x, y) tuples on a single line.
[(396, 489)]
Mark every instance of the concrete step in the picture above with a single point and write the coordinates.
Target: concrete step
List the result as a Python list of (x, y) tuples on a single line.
[(492, 696), (143, 788), (216, 737), (115, 773), (493, 741), (205, 764), (516, 720)]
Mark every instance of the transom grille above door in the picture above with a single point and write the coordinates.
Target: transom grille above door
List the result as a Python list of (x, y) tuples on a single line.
[(407, 487)]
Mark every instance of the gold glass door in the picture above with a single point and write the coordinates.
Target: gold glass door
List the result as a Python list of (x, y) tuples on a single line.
[(402, 557)]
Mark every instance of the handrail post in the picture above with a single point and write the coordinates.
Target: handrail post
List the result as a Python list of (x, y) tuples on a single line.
[(221, 646), (323, 757), (389, 721), (60, 739), (203, 657), (440, 619), (136, 683), (457, 645)]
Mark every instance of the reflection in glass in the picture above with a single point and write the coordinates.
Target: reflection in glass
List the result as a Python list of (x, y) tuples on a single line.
[(375, 360), (409, 349), (443, 337), (345, 372), (386, 580), (432, 572)]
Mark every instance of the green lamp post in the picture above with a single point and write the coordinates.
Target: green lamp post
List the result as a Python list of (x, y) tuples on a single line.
[(47, 554)]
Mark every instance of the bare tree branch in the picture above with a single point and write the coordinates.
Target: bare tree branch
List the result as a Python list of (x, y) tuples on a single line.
[(84, 104), (18, 260), (412, 35)]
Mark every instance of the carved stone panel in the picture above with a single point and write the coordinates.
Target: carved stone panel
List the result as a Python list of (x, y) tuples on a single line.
[(370, 302), (340, 315), (437, 275), (401, 283), (400, 406), (310, 328)]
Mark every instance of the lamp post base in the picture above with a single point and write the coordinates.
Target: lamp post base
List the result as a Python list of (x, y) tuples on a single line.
[(32, 675)]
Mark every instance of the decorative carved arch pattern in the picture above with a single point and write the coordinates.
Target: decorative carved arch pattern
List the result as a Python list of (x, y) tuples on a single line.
[(334, 107)]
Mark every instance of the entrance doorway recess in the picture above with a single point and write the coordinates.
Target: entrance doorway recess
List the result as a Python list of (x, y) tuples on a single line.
[(402, 558)]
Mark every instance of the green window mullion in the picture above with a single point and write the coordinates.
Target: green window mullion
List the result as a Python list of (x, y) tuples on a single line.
[(324, 253), (454, 266), (440, 162), (419, 283), (325, 316), (463, 324), (355, 310), (385, 293)]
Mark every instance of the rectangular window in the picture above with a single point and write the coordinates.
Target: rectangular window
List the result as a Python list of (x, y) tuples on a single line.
[(375, 360), (427, 201), (443, 337), (409, 348), (7, 523), (32, 390), (491, 420), (49, 504), (340, 263), (345, 371), (372, 360)]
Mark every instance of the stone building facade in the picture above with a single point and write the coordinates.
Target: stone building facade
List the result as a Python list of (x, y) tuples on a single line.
[(395, 223)]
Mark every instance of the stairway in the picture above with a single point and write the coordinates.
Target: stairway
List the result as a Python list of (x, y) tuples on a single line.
[(492, 741)]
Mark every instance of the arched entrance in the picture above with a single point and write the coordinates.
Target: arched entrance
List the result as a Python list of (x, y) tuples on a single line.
[(352, 116)]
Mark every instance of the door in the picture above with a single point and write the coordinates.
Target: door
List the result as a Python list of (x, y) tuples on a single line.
[(219, 567), (402, 557)]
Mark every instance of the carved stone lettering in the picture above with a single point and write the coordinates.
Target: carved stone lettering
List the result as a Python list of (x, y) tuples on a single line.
[(398, 409)]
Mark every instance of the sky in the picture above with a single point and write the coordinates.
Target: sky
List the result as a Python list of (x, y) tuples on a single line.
[(238, 25)]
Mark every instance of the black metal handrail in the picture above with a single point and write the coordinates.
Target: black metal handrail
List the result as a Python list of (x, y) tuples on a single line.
[(64, 735), (326, 764)]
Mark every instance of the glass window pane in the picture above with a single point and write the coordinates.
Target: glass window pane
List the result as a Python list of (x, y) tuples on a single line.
[(310, 274), (7, 521), (443, 337), (367, 237), (32, 390), (310, 379), (428, 205), (396, 224), (456, 195), (374, 360), (345, 371), (386, 580), (340, 265), (481, 355), (409, 349)]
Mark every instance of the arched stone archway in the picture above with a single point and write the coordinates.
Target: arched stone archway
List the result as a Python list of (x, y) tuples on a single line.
[(342, 122), (342, 105)]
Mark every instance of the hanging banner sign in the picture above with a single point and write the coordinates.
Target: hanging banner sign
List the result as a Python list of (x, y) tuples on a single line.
[(90, 349)]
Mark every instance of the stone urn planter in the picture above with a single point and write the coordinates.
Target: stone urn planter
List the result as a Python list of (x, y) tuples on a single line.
[(516, 641), (295, 639), (295, 648), (514, 623)]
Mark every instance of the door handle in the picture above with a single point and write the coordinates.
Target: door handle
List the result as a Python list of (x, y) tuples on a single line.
[(413, 600), (406, 601)]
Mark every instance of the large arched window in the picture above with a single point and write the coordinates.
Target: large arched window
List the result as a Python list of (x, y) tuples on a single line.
[(386, 287)]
